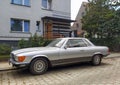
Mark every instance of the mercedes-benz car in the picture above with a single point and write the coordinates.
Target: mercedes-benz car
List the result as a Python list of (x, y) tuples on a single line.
[(59, 52)]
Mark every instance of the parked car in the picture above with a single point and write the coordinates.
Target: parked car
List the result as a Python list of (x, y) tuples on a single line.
[(58, 52)]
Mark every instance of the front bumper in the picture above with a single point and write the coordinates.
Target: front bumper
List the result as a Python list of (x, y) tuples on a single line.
[(15, 63)]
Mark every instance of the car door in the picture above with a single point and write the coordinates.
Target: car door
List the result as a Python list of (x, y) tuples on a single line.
[(75, 50)]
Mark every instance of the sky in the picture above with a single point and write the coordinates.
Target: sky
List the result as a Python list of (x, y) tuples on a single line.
[(75, 5)]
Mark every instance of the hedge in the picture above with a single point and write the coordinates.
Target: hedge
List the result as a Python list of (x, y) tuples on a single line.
[(112, 43), (34, 41), (5, 49)]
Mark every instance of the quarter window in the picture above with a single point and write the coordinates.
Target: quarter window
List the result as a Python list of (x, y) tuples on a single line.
[(21, 2), (18, 25)]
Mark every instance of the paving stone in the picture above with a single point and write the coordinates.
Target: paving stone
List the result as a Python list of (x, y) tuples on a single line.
[(108, 73)]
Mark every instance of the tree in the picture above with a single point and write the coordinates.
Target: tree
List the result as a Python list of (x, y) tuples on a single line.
[(99, 18), (103, 19)]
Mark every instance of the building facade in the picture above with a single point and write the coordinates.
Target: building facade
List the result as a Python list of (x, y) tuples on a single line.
[(77, 26), (19, 19)]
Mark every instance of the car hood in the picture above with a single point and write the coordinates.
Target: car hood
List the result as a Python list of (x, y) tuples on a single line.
[(25, 50)]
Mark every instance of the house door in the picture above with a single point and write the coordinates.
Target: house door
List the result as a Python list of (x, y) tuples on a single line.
[(48, 31)]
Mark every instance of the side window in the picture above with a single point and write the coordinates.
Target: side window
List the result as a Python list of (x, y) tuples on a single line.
[(19, 25), (21, 2), (76, 43), (47, 4), (44, 3), (17, 2), (27, 2)]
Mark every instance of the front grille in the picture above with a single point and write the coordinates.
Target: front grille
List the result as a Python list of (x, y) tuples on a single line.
[(12, 56)]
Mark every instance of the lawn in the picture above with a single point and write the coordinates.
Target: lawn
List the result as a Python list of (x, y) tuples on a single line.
[(4, 57)]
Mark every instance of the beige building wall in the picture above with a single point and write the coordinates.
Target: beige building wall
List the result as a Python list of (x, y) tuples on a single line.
[(78, 24)]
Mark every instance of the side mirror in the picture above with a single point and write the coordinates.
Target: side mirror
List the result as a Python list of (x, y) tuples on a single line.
[(65, 47)]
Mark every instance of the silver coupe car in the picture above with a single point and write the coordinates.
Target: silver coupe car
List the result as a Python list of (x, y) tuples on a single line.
[(59, 52)]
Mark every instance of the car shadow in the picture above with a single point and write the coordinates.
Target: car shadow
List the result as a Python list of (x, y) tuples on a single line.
[(83, 65), (25, 71)]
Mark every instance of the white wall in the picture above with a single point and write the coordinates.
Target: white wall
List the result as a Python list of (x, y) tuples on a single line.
[(33, 13), (63, 7)]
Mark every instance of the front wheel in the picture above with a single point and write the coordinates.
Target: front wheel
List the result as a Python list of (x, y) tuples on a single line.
[(38, 66), (96, 60)]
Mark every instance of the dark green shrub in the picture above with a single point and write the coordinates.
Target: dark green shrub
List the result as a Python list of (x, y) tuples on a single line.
[(23, 43), (46, 42), (33, 41), (112, 43), (5, 49)]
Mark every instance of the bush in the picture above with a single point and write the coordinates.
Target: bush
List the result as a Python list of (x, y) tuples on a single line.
[(5, 49), (34, 41), (46, 42), (22, 43), (112, 43)]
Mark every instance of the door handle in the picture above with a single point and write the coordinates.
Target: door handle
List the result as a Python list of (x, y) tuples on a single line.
[(82, 50)]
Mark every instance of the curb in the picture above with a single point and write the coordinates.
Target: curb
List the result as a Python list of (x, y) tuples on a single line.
[(111, 57), (9, 69)]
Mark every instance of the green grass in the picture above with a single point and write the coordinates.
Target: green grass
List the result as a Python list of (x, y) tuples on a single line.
[(4, 57)]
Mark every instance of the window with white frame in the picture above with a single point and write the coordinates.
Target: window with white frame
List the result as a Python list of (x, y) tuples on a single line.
[(21, 2), (18, 25), (47, 4)]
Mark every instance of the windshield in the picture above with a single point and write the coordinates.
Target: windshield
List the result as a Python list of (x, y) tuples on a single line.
[(56, 43)]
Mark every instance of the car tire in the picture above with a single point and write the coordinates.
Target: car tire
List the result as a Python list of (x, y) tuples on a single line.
[(38, 66), (96, 60)]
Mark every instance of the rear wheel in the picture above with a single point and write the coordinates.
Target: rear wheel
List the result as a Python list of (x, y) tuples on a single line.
[(96, 60), (38, 66)]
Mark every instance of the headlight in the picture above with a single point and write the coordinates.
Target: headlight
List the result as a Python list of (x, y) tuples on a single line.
[(21, 58)]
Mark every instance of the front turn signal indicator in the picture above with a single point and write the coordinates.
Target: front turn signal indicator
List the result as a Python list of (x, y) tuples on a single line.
[(21, 58)]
